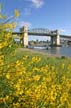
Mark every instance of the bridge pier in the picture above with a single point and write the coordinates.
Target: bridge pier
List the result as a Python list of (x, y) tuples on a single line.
[(55, 40), (52, 40), (24, 29)]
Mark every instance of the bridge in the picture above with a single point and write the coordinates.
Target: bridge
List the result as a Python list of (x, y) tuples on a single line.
[(55, 35)]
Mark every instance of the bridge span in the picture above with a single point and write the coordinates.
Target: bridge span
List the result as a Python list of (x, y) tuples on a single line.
[(55, 35)]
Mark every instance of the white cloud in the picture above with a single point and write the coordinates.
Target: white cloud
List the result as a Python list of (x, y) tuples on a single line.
[(36, 3), (23, 23), (32, 3)]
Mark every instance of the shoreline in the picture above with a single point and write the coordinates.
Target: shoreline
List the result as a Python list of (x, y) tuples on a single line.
[(32, 51)]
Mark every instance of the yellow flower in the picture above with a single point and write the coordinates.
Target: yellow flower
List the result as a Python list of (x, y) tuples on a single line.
[(21, 91), (7, 97), (69, 105), (36, 78), (16, 12), (8, 76), (64, 97), (63, 65), (48, 79), (10, 46), (69, 67)]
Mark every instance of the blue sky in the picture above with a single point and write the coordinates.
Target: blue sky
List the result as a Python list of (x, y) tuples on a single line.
[(51, 14)]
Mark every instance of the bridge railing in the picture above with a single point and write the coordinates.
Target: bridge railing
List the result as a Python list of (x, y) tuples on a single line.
[(41, 30)]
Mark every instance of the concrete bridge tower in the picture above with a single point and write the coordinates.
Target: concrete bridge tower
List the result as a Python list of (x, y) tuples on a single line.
[(55, 40), (24, 29)]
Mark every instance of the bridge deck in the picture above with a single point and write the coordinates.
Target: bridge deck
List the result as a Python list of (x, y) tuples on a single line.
[(42, 34)]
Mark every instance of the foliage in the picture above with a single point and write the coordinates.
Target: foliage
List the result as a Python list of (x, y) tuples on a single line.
[(36, 81), (6, 39)]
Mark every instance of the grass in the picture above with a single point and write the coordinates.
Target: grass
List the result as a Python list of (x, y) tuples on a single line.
[(33, 80)]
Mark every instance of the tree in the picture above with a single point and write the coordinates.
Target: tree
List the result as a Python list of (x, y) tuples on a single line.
[(6, 27), (7, 48)]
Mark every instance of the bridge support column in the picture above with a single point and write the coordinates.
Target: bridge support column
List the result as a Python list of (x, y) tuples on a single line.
[(55, 40), (52, 40), (24, 36)]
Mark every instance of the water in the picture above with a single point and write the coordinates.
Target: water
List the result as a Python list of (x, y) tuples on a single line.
[(59, 51)]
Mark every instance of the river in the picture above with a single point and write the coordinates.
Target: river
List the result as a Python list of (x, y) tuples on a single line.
[(59, 51)]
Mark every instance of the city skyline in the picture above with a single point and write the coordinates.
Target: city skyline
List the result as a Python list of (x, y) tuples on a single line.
[(41, 13)]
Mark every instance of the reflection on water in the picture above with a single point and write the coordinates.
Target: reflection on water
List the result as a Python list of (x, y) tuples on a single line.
[(55, 50), (61, 51)]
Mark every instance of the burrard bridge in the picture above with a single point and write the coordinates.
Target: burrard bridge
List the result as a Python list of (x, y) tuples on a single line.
[(55, 35)]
